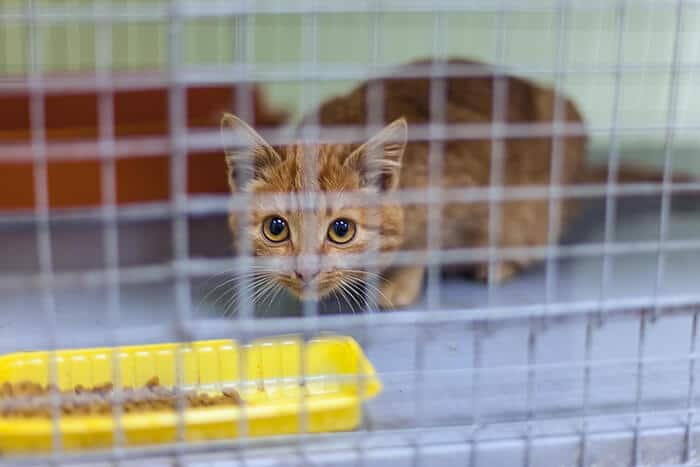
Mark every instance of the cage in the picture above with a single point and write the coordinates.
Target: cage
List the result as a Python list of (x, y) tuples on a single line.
[(114, 201)]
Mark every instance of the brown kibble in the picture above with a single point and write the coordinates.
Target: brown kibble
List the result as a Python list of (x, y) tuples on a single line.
[(27, 399), (157, 404), (28, 389), (24, 386), (153, 382), (223, 400), (104, 388), (7, 389), (231, 393)]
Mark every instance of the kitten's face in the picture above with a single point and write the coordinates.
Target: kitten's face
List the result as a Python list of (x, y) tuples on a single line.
[(309, 216)]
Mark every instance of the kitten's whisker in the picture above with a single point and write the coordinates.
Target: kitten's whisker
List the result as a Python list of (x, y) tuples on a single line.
[(357, 288), (252, 271), (354, 295), (344, 296), (267, 299), (262, 291), (223, 284), (229, 309), (358, 273), (337, 300), (232, 279), (373, 289), (273, 295), (240, 289), (256, 294), (203, 299), (248, 288), (351, 293)]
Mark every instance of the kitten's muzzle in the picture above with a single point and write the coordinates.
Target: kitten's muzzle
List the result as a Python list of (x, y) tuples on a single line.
[(306, 275)]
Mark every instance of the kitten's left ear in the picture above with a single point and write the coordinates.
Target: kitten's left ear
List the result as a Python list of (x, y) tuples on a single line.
[(247, 153), (379, 159)]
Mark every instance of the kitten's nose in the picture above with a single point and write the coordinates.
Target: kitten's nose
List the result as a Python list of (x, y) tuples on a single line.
[(306, 275)]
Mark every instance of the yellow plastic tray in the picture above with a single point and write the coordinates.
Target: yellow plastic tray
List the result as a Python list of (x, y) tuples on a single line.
[(338, 376)]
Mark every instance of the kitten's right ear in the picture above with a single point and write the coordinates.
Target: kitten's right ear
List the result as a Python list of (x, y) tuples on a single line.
[(379, 159), (247, 153)]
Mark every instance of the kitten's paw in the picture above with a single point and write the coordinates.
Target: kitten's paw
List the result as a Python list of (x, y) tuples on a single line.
[(504, 271), (394, 296), (401, 289)]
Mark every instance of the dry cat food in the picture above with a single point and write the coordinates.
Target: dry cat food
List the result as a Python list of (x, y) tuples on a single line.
[(27, 399)]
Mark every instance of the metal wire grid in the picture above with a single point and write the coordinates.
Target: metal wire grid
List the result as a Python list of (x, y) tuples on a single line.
[(587, 314)]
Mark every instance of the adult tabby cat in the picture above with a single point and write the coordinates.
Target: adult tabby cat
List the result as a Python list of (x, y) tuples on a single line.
[(388, 162)]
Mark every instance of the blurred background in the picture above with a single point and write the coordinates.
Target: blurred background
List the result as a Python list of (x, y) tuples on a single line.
[(279, 39)]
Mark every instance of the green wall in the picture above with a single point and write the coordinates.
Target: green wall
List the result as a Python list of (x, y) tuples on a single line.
[(529, 42)]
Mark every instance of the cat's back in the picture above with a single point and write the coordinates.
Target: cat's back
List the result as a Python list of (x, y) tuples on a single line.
[(468, 99)]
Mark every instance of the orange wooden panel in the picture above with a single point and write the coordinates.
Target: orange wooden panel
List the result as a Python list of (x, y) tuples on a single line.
[(141, 112)]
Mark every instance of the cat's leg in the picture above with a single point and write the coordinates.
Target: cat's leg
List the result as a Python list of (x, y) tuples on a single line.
[(504, 270), (401, 287), (523, 224)]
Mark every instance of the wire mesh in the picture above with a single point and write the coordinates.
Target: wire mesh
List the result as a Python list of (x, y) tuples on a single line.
[(587, 358)]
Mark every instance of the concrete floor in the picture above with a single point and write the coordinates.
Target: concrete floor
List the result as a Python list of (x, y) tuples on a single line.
[(433, 386)]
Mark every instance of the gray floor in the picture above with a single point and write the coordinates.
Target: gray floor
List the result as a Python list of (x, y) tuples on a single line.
[(78, 247), (435, 387)]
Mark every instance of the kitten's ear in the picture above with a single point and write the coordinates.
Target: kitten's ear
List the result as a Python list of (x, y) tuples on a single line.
[(247, 153), (379, 159)]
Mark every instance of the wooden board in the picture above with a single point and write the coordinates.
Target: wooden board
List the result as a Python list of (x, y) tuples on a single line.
[(73, 116)]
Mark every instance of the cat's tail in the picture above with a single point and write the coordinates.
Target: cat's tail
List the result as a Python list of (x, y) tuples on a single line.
[(684, 200), (635, 174)]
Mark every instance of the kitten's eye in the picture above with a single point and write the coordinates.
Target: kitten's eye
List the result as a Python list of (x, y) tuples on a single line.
[(275, 229), (341, 231)]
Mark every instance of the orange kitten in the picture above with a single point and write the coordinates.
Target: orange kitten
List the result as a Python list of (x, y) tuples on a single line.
[(388, 162)]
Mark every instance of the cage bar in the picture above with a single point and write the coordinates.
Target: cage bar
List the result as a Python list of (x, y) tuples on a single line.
[(587, 357)]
